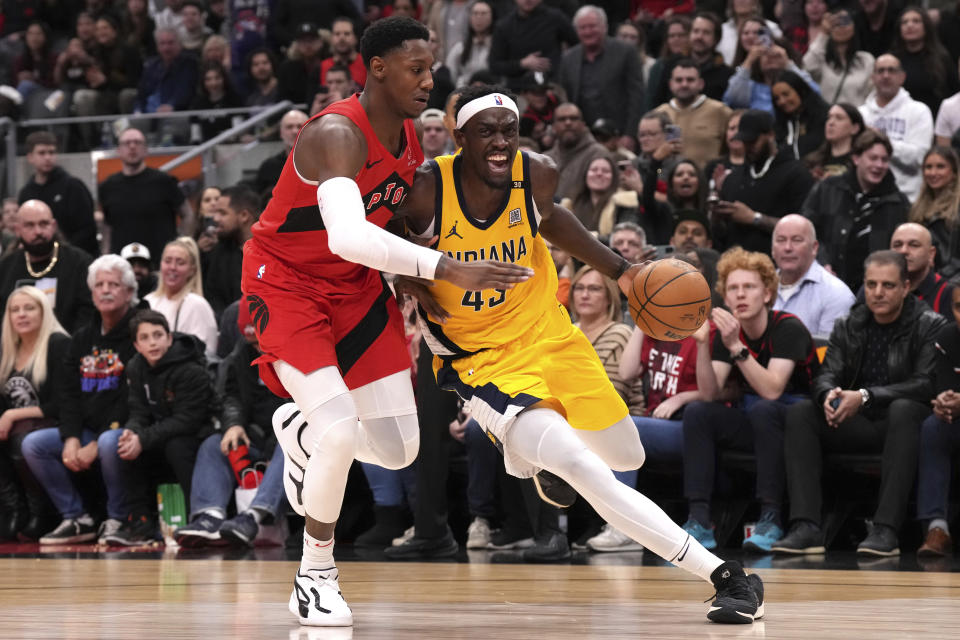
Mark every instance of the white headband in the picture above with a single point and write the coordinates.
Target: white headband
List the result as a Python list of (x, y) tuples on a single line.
[(489, 101)]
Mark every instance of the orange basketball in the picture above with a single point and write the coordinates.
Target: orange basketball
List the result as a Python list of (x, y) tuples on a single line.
[(670, 299)]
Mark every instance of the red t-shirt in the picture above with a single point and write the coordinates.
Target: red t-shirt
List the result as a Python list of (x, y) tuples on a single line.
[(357, 71), (669, 367), (291, 228)]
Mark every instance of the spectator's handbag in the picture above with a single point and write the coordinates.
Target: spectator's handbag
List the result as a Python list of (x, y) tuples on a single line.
[(270, 535)]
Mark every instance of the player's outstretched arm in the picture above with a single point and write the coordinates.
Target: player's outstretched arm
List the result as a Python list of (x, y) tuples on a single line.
[(561, 227)]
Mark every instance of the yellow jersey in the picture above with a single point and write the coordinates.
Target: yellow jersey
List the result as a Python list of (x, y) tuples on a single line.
[(492, 317)]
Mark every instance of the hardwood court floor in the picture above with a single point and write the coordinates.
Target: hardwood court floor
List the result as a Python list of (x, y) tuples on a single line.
[(170, 598)]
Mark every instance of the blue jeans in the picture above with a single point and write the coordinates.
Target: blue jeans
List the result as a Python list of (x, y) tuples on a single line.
[(482, 463), (214, 481), (43, 451), (938, 442), (661, 439), (391, 487)]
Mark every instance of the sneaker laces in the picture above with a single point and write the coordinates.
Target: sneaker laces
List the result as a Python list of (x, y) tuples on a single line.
[(736, 587)]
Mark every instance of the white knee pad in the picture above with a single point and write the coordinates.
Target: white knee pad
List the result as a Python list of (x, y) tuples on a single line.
[(618, 445), (392, 442), (386, 398)]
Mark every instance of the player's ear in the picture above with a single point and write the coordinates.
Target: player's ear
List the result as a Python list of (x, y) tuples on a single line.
[(458, 138), (378, 67)]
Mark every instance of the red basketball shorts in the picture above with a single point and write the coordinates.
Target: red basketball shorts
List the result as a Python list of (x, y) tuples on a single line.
[(311, 323)]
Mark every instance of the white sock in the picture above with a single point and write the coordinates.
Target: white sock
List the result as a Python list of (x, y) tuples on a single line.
[(317, 554), (939, 522)]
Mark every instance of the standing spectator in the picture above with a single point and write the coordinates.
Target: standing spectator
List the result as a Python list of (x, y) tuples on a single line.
[(529, 38), (214, 92), (114, 75), (33, 345), (801, 114), (769, 185), (809, 27), (601, 74), (833, 157), (770, 354), (450, 20), (876, 24), (836, 62), (675, 47), (299, 76), (139, 258), (139, 203), (705, 33), (914, 243), (67, 196), (938, 206), (636, 37), (442, 77), (93, 401), (192, 30), (289, 15), (269, 170), (436, 138), (738, 12), (237, 209), (169, 79), (906, 122), (870, 396), (807, 290), (138, 27), (343, 49), (931, 75), (855, 213), (469, 55), (575, 148), (685, 191), (43, 262), (171, 403), (702, 120), (262, 70), (179, 294)]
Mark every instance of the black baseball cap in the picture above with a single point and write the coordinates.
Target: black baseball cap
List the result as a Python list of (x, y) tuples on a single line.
[(306, 30), (604, 129), (693, 215), (753, 124)]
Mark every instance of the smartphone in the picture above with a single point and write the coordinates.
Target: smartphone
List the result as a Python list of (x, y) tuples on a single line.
[(835, 403), (623, 165), (672, 132), (763, 37), (663, 251)]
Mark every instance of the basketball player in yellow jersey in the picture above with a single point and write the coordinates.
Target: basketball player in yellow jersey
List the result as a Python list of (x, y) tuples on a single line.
[(529, 377)]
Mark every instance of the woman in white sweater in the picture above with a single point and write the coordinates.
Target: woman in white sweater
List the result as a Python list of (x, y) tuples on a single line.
[(179, 294), (469, 55), (835, 61)]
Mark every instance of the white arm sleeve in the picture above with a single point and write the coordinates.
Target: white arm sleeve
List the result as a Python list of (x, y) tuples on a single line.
[(351, 237)]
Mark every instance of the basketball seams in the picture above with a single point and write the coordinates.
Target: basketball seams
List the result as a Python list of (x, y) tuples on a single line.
[(643, 311)]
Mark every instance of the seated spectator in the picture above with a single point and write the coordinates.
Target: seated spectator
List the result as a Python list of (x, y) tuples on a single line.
[(938, 206), (769, 185), (870, 397), (138, 27), (808, 27), (344, 51), (206, 233), (836, 62), (914, 242), (732, 150), (537, 118), (939, 442), (193, 30), (214, 92), (338, 85), (70, 72), (575, 149), (607, 134), (948, 121), (844, 123), (169, 79), (800, 112), (705, 33), (299, 75), (750, 85), (442, 78), (601, 203), (906, 122), (741, 13), (637, 37), (139, 258), (876, 23), (855, 214), (807, 290), (8, 226), (269, 170), (33, 69), (771, 357), (236, 210), (262, 71), (676, 47), (691, 231), (33, 347), (93, 402), (54, 268), (661, 143), (171, 403), (931, 74), (179, 294), (436, 139), (469, 55), (217, 49), (246, 419)]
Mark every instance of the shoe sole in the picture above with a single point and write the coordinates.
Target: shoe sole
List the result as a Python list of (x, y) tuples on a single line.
[(550, 501), (732, 616), (445, 552), (798, 552), (523, 543), (331, 621), (753, 547), (878, 553), (236, 536), (931, 553), (481, 544), (84, 537)]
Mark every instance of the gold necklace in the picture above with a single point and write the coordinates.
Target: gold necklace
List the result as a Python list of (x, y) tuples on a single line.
[(49, 268)]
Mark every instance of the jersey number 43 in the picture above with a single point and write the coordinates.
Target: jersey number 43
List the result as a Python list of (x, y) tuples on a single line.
[(474, 299)]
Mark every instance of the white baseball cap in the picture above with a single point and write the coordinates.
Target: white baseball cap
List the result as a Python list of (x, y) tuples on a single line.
[(135, 250)]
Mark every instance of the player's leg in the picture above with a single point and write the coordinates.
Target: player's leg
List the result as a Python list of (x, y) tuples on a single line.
[(322, 442), (389, 432), (545, 439)]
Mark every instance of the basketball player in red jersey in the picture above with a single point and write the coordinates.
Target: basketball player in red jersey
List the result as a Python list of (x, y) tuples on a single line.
[(330, 331)]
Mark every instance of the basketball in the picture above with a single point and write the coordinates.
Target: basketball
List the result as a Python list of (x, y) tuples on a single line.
[(669, 300)]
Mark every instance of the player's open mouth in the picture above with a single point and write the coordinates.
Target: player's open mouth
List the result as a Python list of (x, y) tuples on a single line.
[(498, 162)]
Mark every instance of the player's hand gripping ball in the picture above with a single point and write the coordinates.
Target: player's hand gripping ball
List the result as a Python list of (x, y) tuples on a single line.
[(669, 300)]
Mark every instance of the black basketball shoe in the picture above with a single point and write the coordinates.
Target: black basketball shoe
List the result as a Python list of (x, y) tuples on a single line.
[(739, 597)]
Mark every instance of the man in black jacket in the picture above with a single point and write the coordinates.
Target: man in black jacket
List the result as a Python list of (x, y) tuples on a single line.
[(56, 269), (67, 196), (237, 209), (856, 213), (529, 39), (871, 395), (171, 402), (248, 407)]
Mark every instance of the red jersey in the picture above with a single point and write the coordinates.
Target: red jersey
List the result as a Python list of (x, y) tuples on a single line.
[(669, 367), (291, 229), (358, 72)]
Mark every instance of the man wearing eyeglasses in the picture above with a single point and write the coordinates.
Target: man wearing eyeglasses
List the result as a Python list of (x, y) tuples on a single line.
[(141, 204), (575, 149)]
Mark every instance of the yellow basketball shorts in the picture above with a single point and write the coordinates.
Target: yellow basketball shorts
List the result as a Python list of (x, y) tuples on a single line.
[(553, 364)]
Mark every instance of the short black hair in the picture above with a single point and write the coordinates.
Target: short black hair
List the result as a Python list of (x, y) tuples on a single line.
[(243, 198), (885, 257), (341, 68), (267, 51), (348, 19), (387, 34), (40, 137), (472, 93), (685, 63), (147, 316)]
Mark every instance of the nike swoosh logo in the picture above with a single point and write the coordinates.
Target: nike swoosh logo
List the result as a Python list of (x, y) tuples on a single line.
[(370, 164)]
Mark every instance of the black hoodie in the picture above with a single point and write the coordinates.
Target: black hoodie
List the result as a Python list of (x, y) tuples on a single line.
[(174, 397)]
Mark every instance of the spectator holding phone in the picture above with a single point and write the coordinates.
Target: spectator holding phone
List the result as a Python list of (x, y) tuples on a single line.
[(836, 62), (740, 13)]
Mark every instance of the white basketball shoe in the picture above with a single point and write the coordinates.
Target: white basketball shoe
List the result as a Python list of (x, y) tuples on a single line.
[(316, 599), (289, 426)]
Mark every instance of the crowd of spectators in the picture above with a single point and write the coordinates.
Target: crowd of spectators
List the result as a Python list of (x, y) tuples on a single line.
[(801, 154)]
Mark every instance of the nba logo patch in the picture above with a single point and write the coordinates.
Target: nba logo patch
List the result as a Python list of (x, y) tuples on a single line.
[(498, 100), (514, 218)]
